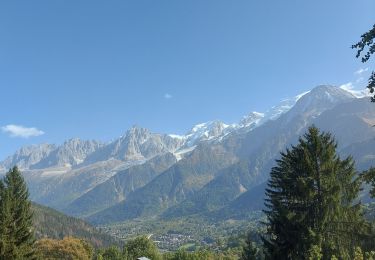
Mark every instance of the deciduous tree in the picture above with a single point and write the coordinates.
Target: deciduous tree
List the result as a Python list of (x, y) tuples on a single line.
[(365, 48)]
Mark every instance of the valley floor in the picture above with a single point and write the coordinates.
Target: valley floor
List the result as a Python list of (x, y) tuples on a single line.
[(190, 233)]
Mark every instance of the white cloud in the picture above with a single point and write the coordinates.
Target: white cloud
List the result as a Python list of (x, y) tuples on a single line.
[(359, 93), (21, 131), (168, 96), (361, 71)]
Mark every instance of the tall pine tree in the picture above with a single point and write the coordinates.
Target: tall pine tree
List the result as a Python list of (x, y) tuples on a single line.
[(310, 201), (16, 231), (4, 215)]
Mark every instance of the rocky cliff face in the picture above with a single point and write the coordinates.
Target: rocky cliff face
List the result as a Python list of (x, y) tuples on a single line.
[(70, 153), (27, 156), (138, 144)]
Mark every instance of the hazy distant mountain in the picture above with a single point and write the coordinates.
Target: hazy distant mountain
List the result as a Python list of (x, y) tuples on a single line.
[(319, 100), (229, 184), (207, 132), (259, 148), (242, 206), (138, 144), (28, 156), (57, 187), (284, 106), (363, 153), (118, 187), (70, 153), (253, 154), (251, 120), (215, 169), (174, 185)]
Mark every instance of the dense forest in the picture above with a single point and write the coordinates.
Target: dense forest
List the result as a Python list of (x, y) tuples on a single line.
[(49, 223)]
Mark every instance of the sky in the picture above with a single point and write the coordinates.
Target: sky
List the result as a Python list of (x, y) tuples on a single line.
[(92, 69)]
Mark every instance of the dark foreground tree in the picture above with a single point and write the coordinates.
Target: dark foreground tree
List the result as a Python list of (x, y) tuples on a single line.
[(16, 231), (310, 202), (369, 178), (250, 251), (365, 48)]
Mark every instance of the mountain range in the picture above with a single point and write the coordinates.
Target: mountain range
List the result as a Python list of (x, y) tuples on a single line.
[(216, 169)]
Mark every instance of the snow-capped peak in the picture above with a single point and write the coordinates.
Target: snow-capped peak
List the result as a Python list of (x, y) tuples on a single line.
[(181, 137), (216, 130), (322, 96), (358, 93), (284, 106), (207, 131), (251, 120)]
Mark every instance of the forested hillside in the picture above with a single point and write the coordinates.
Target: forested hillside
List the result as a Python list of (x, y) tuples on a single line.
[(49, 223)]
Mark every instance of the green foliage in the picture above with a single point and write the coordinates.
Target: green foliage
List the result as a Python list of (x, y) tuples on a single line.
[(141, 246), (367, 42), (110, 253), (358, 255), (195, 231), (369, 177), (370, 255), (184, 255), (199, 255), (68, 248), (310, 202), (16, 232), (250, 250), (315, 253), (53, 224)]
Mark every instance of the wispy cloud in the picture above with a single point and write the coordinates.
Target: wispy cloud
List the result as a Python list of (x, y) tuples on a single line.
[(361, 71), (21, 131), (168, 96), (354, 86), (359, 80), (359, 93)]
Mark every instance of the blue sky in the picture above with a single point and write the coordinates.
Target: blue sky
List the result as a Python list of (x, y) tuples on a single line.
[(92, 69)]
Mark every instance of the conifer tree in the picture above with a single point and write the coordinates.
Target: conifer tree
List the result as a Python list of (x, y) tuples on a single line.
[(310, 201), (17, 236), (4, 214), (249, 251)]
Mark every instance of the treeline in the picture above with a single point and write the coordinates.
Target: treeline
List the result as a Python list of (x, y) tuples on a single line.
[(73, 248)]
